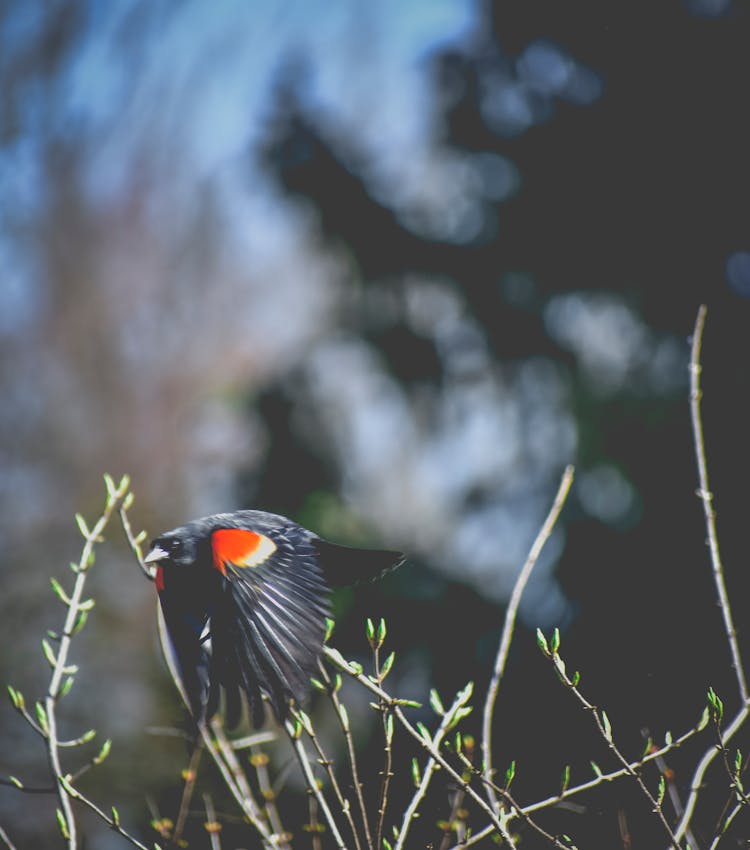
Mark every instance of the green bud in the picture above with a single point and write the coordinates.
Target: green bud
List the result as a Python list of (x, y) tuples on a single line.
[(82, 527), (541, 642), (387, 665), (435, 702), (510, 773), (65, 687), (104, 752), (416, 773), (565, 780), (60, 593), (62, 824), (49, 654)]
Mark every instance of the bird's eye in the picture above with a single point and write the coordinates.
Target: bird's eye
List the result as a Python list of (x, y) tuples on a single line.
[(175, 546)]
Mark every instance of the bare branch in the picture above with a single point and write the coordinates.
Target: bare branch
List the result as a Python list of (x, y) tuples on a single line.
[(510, 620)]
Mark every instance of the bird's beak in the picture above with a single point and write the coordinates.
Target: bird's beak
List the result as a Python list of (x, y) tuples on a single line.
[(155, 555)]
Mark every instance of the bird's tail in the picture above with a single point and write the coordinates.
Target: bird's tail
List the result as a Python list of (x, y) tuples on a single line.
[(344, 565)]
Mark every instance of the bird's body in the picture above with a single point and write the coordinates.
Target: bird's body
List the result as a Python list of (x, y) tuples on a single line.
[(245, 597)]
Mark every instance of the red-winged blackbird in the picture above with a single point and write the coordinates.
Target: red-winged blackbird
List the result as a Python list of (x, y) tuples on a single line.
[(245, 597)]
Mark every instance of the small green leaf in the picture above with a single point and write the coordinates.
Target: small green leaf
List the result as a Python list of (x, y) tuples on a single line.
[(86, 605), (16, 698), (388, 725), (716, 705), (344, 715), (662, 789), (41, 716), (337, 683), (647, 746), (606, 726), (62, 824), (668, 739), (387, 665), (565, 780), (510, 773), (76, 568), (110, 485), (49, 654), (317, 684), (424, 732), (58, 588), (408, 703), (459, 714), (737, 762), (124, 483), (82, 527), (127, 502), (370, 632), (595, 767), (330, 625), (306, 722), (17, 782), (355, 668), (416, 773), (705, 717), (80, 621), (65, 687), (140, 537), (435, 702), (115, 817), (387, 844), (541, 642), (575, 679), (380, 636), (88, 736), (104, 752), (465, 694), (555, 642)]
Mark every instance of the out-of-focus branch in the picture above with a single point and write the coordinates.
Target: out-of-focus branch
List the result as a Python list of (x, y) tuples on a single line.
[(510, 619)]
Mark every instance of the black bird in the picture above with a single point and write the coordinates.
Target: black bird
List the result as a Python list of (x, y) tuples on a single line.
[(245, 597)]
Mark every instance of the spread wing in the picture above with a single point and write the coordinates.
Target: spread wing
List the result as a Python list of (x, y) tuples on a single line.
[(267, 620)]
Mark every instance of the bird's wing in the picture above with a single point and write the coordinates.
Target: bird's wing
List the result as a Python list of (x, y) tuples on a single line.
[(184, 603), (268, 620)]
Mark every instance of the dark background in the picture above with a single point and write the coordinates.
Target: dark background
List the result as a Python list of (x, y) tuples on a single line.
[(397, 331)]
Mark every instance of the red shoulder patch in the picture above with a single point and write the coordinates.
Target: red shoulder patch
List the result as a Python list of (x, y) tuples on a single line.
[(240, 547), (159, 579)]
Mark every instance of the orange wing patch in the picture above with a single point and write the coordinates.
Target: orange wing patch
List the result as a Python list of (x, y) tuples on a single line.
[(240, 548)]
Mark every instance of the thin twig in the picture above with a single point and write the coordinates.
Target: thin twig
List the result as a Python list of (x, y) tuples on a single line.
[(213, 827), (727, 823), (498, 819), (605, 731), (6, 840), (510, 618), (696, 783), (706, 497), (343, 719), (190, 777), (327, 764), (259, 761), (61, 668), (313, 786), (411, 810)]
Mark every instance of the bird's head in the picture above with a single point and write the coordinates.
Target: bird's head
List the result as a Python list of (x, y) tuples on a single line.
[(178, 547)]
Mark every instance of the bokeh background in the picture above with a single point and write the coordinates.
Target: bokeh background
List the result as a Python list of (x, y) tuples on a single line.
[(385, 268)]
